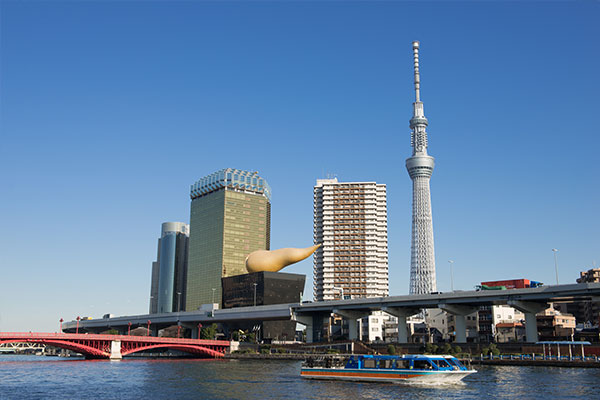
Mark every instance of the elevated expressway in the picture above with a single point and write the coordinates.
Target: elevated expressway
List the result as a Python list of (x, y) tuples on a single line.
[(529, 301)]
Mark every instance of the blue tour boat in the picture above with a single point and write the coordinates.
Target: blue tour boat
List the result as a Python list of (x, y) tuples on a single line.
[(414, 368)]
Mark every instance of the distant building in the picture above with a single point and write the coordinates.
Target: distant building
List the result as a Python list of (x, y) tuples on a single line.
[(510, 332), (438, 319), (350, 220), (373, 327), (490, 316), (552, 325), (230, 218), (590, 309), (167, 290), (264, 288)]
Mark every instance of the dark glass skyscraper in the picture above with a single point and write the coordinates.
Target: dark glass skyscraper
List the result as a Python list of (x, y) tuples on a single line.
[(169, 271)]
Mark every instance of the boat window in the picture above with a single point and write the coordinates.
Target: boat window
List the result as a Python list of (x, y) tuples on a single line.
[(386, 364), (402, 364), (369, 363), (422, 364), (457, 363), (441, 363)]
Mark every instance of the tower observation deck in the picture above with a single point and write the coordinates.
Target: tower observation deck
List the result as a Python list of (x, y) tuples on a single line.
[(420, 167)]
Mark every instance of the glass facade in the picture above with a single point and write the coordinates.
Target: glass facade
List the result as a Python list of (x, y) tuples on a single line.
[(228, 221), (166, 282), (271, 288), (167, 293)]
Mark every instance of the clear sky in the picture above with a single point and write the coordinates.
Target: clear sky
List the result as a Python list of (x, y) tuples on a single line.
[(111, 110)]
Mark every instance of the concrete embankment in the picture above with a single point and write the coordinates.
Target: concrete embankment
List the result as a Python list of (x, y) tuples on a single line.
[(282, 356), (539, 363), (507, 362)]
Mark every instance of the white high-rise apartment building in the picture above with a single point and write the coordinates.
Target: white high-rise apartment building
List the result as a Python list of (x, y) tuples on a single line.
[(350, 220)]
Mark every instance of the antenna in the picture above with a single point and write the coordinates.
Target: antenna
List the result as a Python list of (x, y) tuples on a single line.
[(415, 45)]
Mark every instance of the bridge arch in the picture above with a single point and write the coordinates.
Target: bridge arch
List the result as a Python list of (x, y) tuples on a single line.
[(76, 347), (186, 348)]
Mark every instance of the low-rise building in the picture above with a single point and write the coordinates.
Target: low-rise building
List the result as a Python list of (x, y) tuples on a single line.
[(553, 325), (510, 332)]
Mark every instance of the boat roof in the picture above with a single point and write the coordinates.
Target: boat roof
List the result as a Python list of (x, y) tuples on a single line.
[(408, 356)]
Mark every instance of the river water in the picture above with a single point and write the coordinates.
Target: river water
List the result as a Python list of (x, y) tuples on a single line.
[(38, 377)]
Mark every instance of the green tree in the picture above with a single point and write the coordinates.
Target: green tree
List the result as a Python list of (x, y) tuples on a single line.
[(493, 349), (209, 332), (391, 350), (457, 349), (250, 337), (112, 332), (447, 348)]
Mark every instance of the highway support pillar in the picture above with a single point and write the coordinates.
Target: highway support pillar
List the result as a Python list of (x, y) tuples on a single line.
[(529, 308), (401, 314), (115, 350), (193, 327), (460, 325), (308, 322), (352, 316)]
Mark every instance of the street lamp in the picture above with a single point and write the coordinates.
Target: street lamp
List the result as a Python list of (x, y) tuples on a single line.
[(149, 322), (451, 275), (61, 321), (255, 284), (77, 330), (129, 329), (555, 264)]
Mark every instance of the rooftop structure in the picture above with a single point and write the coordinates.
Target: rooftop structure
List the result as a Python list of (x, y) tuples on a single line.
[(233, 179)]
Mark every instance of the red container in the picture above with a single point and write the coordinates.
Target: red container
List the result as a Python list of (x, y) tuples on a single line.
[(510, 284)]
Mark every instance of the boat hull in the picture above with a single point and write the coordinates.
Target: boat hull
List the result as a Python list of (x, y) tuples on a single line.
[(378, 375)]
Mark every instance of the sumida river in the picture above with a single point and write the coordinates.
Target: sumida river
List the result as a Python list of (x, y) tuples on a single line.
[(37, 377)]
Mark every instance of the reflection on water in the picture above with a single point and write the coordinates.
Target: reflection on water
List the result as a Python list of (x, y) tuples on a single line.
[(32, 377)]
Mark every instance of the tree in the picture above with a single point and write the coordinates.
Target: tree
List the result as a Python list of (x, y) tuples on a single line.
[(493, 349), (391, 350), (209, 332), (447, 348), (431, 348)]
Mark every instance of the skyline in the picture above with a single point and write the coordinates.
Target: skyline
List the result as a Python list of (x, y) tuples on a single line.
[(111, 111)]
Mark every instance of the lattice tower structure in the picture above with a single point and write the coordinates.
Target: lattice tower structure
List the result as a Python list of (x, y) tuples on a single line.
[(350, 220), (420, 167)]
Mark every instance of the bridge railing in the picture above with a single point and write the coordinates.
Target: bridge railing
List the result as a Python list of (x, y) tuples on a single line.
[(123, 338)]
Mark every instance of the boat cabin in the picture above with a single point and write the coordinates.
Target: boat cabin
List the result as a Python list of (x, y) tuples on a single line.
[(420, 362)]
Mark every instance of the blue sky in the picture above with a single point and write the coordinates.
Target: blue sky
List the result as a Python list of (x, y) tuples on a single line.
[(111, 110)]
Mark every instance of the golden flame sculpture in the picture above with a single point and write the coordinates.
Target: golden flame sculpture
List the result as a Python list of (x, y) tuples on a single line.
[(276, 260)]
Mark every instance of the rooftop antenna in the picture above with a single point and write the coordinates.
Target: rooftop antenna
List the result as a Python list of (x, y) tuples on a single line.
[(417, 76)]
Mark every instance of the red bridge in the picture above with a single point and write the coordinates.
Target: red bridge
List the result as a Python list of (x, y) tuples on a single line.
[(117, 346)]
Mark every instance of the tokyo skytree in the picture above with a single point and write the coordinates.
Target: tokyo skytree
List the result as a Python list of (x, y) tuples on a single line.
[(420, 167)]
